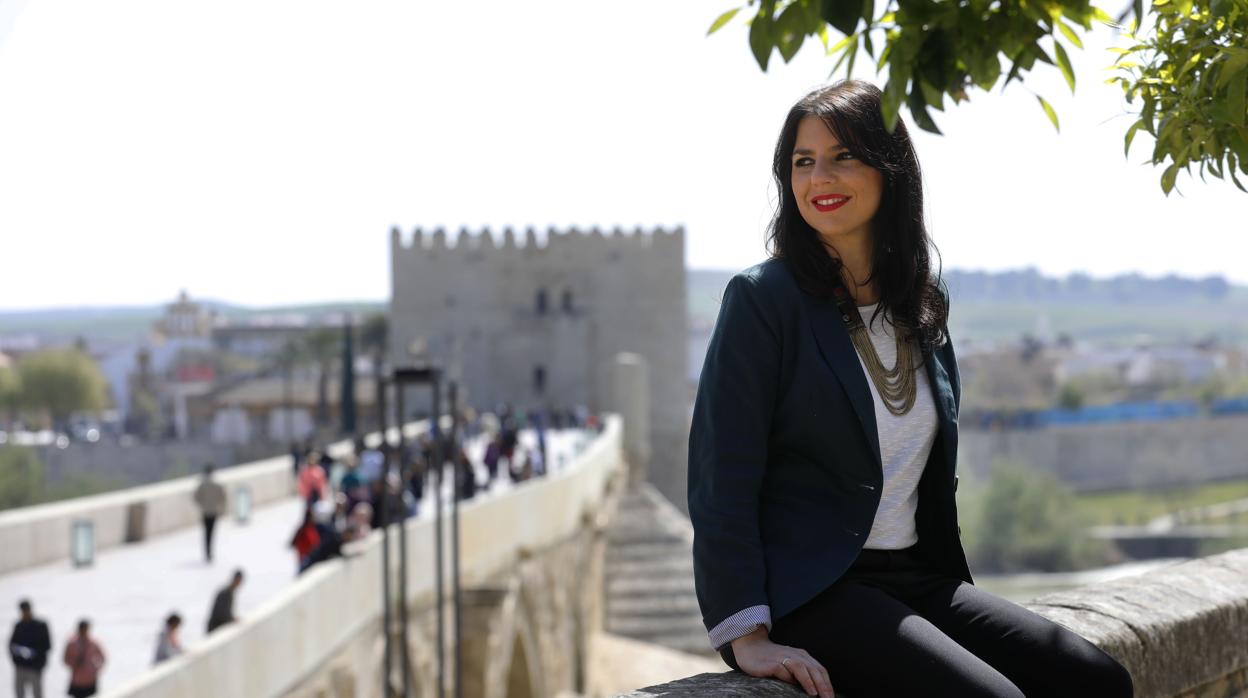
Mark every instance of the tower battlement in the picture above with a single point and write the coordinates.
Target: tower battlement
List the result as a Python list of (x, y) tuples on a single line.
[(484, 240)]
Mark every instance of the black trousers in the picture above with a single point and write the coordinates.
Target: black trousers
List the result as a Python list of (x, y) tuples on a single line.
[(892, 627), (210, 523)]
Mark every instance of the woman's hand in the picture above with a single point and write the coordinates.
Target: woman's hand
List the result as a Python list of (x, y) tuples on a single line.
[(758, 656)]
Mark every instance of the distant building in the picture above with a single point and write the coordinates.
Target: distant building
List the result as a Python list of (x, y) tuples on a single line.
[(272, 409), (262, 337), (185, 318), (538, 325)]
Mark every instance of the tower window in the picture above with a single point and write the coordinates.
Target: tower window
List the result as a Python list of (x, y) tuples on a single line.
[(539, 379), (567, 300), (541, 302)]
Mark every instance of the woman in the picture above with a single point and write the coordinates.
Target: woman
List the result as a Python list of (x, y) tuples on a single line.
[(823, 445), (168, 645), (85, 659), (305, 540)]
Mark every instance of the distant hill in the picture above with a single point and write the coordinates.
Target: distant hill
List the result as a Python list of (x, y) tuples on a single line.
[(987, 306), (128, 324), (1003, 306)]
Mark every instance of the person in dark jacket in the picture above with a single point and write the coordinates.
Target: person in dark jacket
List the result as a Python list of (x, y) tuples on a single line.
[(28, 647), (223, 605), (823, 447)]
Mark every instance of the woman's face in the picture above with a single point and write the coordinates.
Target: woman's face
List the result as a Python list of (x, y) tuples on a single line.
[(837, 194)]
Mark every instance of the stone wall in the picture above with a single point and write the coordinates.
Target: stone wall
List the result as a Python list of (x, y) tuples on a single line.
[(1182, 632), (1118, 456), (144, 463)]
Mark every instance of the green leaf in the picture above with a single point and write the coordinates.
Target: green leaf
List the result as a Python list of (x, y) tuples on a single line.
[(1070, 34), (1235, 101), (790, 31), (1048, 110), (843, 16), (760, 38), (890, 100), (1126, 149), (722, 20), (1063, 64), (932, 96), (851, 48), (840, 45), (1167, 178), (888, 50), (1235, 62), (918, 110), (1237, 182)]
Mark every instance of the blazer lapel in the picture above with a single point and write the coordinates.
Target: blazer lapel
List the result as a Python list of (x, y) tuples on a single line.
[(838, 351), (942, 395)]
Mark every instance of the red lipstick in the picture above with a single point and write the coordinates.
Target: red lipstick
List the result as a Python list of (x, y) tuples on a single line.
[(833, 207)]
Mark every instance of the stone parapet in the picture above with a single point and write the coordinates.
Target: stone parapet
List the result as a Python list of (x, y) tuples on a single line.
[(40, 534), (1182, 632)]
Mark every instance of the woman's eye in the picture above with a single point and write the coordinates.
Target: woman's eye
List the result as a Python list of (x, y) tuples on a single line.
[(802, 162), (845, 155)]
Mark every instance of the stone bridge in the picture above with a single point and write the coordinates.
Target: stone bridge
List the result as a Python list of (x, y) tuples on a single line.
[(531, 573)]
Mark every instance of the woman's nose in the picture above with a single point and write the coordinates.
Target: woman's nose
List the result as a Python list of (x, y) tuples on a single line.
[(825, 170)]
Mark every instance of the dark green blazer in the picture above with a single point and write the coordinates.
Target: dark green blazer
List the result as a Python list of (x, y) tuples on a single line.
[(784, 457)]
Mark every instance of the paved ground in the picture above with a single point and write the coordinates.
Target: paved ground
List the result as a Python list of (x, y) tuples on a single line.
[(130, 589)]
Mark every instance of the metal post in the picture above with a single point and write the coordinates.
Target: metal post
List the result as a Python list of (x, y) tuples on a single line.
[(439, 458), (403, 661), (385, 560), (454, 407)]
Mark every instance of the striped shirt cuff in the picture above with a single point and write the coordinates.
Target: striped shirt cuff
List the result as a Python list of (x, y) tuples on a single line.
[(739, 624)]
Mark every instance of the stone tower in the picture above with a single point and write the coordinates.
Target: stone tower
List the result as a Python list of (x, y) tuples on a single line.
[(539, 325)]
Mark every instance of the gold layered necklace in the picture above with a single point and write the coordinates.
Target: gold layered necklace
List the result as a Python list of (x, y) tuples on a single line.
[(896, 386)]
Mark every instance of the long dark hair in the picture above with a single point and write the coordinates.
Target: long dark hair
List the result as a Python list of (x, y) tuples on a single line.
[(900, 259)]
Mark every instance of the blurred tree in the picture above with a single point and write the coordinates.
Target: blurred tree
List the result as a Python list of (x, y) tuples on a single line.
[(1026, 520), (146, 418), (374, 334), (21, 477), (1189, 68), (10, 393), (322, 347), (1070, 396), (61, 382)]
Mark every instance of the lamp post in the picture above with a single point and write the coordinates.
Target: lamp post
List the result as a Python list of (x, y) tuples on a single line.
[(403, 377), (455, 600), (383, 448)]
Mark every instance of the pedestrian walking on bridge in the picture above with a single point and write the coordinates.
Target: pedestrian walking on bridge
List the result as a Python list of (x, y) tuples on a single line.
[(223, 604), (28, 647), (210, 498), (85, 659)]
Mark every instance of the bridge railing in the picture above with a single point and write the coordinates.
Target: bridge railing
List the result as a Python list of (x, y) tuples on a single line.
[(40, 534), (289, 638)]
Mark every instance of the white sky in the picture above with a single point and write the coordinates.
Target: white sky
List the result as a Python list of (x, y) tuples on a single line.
[(259, 152)]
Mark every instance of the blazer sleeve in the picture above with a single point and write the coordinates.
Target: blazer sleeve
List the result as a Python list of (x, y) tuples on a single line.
[(728, 442), (955, 377)]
